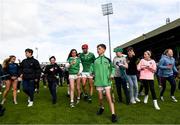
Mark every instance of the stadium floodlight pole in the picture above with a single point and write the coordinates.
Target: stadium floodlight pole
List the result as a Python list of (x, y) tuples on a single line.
[(107, 10)]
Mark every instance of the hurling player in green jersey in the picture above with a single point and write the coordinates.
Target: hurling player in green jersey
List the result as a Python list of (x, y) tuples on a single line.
[(87, 59)]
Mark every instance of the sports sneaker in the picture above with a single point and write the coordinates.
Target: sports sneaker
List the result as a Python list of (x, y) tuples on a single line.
[(162, 98), (28, 99), (30, 104), (100, 111), (18, 91), (78, 101), (85, 97), (3, 86), (72, 105), (133, 102), (2, 110), (0, 93), (174, 99), (3, 101), (90, 99), (156, 106), (114, 118), (137, 100), (54, 101), (146, 99), (15, 102)]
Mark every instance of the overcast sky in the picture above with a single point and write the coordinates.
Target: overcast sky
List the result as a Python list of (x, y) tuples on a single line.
[(57, 26)]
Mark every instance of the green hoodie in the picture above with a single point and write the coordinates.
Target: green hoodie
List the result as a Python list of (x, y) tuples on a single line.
[(103, 69)]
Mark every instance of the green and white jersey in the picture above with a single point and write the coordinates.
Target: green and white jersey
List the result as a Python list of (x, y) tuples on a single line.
[(87, 60), (103, 69), (74, 68)]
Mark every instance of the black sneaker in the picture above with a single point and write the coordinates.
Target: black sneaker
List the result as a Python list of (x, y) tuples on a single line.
[(68, 95), (54, 102), (100, 111), (90, 99), (2, 111), (85, 97), (72, 105), (114, 118)]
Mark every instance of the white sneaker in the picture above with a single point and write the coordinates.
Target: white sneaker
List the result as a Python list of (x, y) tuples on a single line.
[(30, 104), (15, 102), (0, 93), (174, 99), (3, 101), (45, 87), (78, 100), (28, 99), (146, 99), (156, 105), (133, 102), (162, 98), (137, 100), (18, 91)]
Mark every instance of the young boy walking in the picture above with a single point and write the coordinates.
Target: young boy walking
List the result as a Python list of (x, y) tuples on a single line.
[(103, 70)]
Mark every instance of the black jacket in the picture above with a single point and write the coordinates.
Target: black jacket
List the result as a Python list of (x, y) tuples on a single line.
[(52, 71), (30, 68)]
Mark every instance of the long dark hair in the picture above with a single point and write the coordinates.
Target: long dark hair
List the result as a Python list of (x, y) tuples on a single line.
[(70, 54)]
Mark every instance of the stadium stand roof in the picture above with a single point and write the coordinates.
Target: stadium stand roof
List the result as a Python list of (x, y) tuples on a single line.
[(167, 36)]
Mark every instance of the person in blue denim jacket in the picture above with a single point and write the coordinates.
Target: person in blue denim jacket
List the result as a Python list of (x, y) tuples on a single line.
[(167, 70)]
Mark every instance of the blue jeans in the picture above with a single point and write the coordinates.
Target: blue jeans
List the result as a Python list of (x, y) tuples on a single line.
[(52, 88), (28, 88), (133, 86), (172, 82)]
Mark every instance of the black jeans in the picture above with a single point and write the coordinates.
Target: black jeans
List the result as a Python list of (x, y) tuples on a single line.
[(122, 82), (172, 82), (52, 88), (44, 80), (141, 87), (149, 84), (28, 88)]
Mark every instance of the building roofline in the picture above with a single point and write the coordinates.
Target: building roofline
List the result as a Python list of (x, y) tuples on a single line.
[(153, 33)]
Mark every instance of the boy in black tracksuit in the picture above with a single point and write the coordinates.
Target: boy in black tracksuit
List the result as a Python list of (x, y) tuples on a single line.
[(52, 71), (30, 72)]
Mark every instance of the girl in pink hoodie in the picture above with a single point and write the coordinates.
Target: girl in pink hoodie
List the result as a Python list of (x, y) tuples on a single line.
[(147, 68)]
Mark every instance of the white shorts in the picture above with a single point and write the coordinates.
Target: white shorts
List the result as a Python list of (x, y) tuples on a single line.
[(86, 75), (73, 77), (103, 88)]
